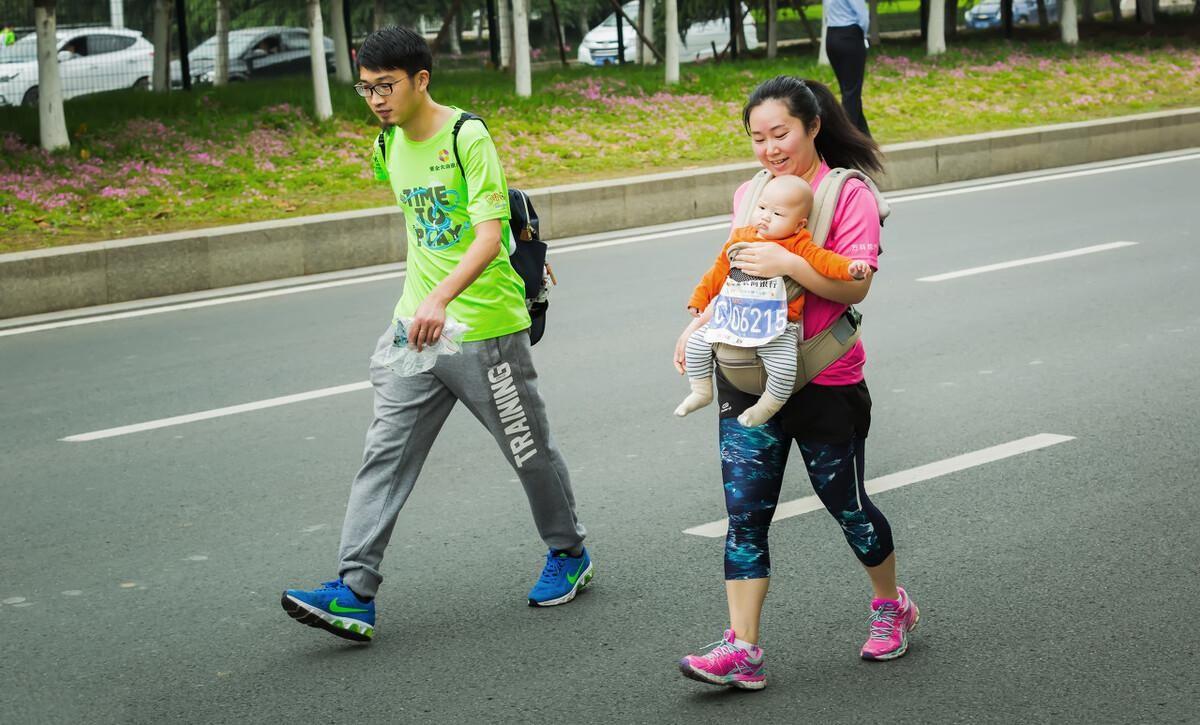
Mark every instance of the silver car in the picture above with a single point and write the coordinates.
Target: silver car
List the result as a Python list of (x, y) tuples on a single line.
[(90, 60)]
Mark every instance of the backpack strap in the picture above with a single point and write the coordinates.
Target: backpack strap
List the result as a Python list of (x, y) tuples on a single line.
[(466, 116)]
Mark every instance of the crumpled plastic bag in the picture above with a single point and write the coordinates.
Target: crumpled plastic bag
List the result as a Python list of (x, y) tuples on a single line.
[(405, 360)]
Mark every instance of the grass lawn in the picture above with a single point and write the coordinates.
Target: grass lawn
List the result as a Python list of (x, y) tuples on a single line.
[(144, 163)]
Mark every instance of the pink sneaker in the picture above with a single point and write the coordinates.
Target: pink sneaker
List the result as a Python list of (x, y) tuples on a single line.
[(891, 621), (727, 664)]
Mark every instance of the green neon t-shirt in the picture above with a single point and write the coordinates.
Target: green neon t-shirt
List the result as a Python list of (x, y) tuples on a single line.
[(441, 210)]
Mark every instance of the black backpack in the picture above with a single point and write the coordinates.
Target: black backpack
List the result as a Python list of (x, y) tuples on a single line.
[(529, 257)]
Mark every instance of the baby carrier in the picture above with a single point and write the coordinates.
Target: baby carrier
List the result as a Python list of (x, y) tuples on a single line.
[(741, 366)]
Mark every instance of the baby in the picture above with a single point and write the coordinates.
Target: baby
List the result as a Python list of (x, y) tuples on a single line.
[(781, 216)]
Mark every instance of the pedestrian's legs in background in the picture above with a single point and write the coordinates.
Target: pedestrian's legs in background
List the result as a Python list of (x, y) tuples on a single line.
[(847, 52)]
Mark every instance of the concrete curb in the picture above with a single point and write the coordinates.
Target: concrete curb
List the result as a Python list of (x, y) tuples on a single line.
[(117, 271)]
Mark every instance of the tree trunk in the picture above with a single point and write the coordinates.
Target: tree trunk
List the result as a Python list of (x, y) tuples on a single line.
[(520, 20), (559, 37), (116, 13), (935, 37), (446, 28), (822, 55), (645, 57), (341, 45), (52, 125), (740, 28), (221, 68), (951, 18), (162, 46), (1006, 16), (672, 36), (1089, 13), (1145, 11), (455, 34), (1115, 5), (504, 11), (582, 19), (1043, 16), (923, 9), (320, 72), (1068, 22), (377, 19), (773, 28), (874, 16)]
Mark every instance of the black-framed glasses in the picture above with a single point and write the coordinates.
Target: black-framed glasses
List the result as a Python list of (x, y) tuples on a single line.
[(380, 89)]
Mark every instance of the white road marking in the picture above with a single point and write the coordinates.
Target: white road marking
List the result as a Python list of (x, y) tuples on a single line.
[(1027, 260), (1040, 179), (216, 413), (199, 303), (897, 199), (716, 529)]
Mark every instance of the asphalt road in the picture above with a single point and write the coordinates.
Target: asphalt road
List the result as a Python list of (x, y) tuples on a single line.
[(141, 573)]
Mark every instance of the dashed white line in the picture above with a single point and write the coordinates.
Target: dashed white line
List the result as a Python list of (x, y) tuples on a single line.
[(1027, 260), (804, 505), (215, 413)]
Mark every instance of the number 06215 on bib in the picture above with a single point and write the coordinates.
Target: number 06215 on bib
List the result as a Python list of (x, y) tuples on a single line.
[(748, 313)]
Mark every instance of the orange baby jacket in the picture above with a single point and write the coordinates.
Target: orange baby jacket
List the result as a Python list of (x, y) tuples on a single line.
[(826, 263)]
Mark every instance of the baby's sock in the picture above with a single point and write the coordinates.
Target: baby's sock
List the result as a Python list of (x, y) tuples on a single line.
[(701, 396), (759, 413)]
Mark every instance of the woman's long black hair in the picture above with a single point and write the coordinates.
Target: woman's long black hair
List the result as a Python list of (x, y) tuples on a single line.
[(839, 142)]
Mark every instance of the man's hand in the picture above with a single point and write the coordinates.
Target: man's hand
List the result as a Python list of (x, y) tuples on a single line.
[(427, 323)]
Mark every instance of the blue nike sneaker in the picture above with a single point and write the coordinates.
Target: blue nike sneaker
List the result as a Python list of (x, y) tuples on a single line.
[(334, 608), (562, 578)]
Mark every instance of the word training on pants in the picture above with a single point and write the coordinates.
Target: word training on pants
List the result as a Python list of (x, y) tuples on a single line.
[(512, 414)]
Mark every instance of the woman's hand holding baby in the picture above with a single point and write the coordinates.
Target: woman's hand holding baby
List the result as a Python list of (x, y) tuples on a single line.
[(766, 260)]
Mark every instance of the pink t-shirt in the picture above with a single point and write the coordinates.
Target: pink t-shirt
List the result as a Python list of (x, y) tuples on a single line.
[(854, 234)]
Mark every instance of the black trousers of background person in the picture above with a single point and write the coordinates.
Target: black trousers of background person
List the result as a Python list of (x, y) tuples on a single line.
[(848, 55)]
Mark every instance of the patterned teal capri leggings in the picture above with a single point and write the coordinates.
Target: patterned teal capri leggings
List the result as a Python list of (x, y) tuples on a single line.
[(829, 425)]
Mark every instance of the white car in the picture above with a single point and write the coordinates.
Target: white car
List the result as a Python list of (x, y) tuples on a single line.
[(599, 46), (90, 60)]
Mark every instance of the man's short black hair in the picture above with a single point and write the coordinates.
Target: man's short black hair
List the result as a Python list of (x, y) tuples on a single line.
[(395, 48)]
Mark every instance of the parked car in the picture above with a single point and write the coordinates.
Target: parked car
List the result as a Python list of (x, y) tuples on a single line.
[(90, 60), (987, 13), (253, 53), (599, 46)]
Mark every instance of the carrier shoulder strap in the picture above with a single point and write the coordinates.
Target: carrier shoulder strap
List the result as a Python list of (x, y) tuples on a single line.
[(757, 183), (825, 199)]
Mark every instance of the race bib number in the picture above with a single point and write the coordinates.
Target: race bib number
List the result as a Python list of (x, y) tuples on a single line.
[(749, 313)]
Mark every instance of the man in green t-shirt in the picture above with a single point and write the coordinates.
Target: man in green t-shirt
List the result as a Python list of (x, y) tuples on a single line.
[(457, 267)]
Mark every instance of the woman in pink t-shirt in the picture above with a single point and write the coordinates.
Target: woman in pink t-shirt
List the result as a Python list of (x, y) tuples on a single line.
[(798, 127)]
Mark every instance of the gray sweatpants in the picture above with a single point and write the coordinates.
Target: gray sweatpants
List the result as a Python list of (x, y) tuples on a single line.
[(496, 380)]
